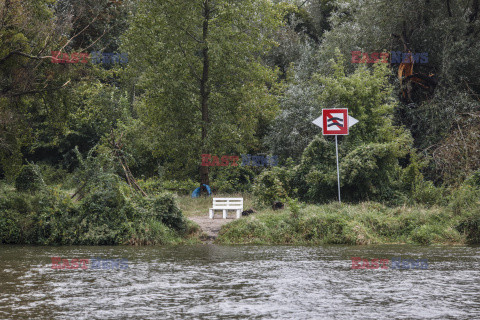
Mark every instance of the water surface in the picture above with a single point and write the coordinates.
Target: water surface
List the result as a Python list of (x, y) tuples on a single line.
[(238, 282)]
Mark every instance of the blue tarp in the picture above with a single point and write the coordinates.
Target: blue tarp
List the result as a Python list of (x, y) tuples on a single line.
[(196, 192)]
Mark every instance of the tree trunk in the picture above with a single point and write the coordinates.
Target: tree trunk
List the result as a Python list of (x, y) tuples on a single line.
[(449, 10), (473, 17), (204, 89)]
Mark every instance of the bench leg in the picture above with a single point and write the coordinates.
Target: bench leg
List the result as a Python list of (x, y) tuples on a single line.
[(239, 213), (210, 213), (224, 214)]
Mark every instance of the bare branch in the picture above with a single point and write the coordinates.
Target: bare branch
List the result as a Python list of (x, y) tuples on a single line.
[(37, 91), (81, 31), (193, 37), (302, 4), (100, 37), (24, 55)]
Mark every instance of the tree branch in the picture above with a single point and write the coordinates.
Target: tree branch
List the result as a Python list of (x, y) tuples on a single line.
[(80, 32), (448, 9), (193, 37), (188, 62), (473, 16), (24, 55), (36, 91)]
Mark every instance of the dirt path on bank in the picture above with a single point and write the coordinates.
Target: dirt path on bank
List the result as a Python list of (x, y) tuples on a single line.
[(210, 226)]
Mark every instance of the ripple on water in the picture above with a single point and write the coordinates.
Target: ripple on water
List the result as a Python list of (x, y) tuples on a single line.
[(236, 282)]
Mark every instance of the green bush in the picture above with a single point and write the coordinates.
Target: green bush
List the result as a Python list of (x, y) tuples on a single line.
[(29, 179), (473, 180), (463, 198), (316, 176), (150, 232), (52, 175), (10, 230), (105, 216), (427, 234), (40, 218), (427, 194), (273, 185), (251, 231), (469, 225), (151, 185), (102, 214), (166, 211), (233, 179)]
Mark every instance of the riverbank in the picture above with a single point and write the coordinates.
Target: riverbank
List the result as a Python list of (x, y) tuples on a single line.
[(360, 224), (210, 228), (108, 216)]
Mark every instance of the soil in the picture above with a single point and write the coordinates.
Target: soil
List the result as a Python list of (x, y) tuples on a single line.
[(211, 227)]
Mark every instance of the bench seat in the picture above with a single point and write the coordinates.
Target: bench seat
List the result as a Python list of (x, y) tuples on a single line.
[(226, 204)]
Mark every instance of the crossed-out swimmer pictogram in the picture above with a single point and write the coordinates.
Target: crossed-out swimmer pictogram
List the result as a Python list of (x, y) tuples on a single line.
[(335, 121)]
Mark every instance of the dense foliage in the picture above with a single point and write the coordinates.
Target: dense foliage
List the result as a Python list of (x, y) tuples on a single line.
[(87, 151), (105, 217)]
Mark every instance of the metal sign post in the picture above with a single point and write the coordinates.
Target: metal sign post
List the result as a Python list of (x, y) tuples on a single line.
[(338, 170), (335, 122)]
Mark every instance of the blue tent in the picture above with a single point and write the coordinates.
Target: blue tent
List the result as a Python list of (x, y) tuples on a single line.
[(196, 192)]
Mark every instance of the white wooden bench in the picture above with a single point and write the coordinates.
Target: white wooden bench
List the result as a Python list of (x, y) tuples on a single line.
[(226, 204)]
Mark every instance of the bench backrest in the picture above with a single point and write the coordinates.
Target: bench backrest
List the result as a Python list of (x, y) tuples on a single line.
[(228, 203)]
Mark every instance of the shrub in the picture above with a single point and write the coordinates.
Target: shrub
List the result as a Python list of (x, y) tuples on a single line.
[(353, 224), (9, 227), (29, 179), (166, 210), (233, 179), (102, 212), (426, 193), (427, 234), (272, 185), (463, 198), (244, 231), (52, 175), (150, 232), (151, 185), (470, 226), (473, 180), (40, 218)]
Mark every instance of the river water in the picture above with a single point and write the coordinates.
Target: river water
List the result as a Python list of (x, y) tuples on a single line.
[(239, 282)]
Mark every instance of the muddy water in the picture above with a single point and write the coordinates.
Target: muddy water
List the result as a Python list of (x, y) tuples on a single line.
[(239, 282)]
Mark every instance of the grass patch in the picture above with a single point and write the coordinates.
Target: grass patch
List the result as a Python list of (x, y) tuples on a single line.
[(199, 206), (365, 223)]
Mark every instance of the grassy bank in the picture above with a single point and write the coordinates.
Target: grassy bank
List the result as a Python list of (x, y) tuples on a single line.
[(107, 215), (366, 223)]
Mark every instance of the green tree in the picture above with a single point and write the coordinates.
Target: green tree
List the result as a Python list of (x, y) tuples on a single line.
[(449, 32), (37, 97), (370, 154), (202, 85)]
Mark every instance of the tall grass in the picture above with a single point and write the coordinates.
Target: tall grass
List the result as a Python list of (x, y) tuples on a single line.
[(365, 223)]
